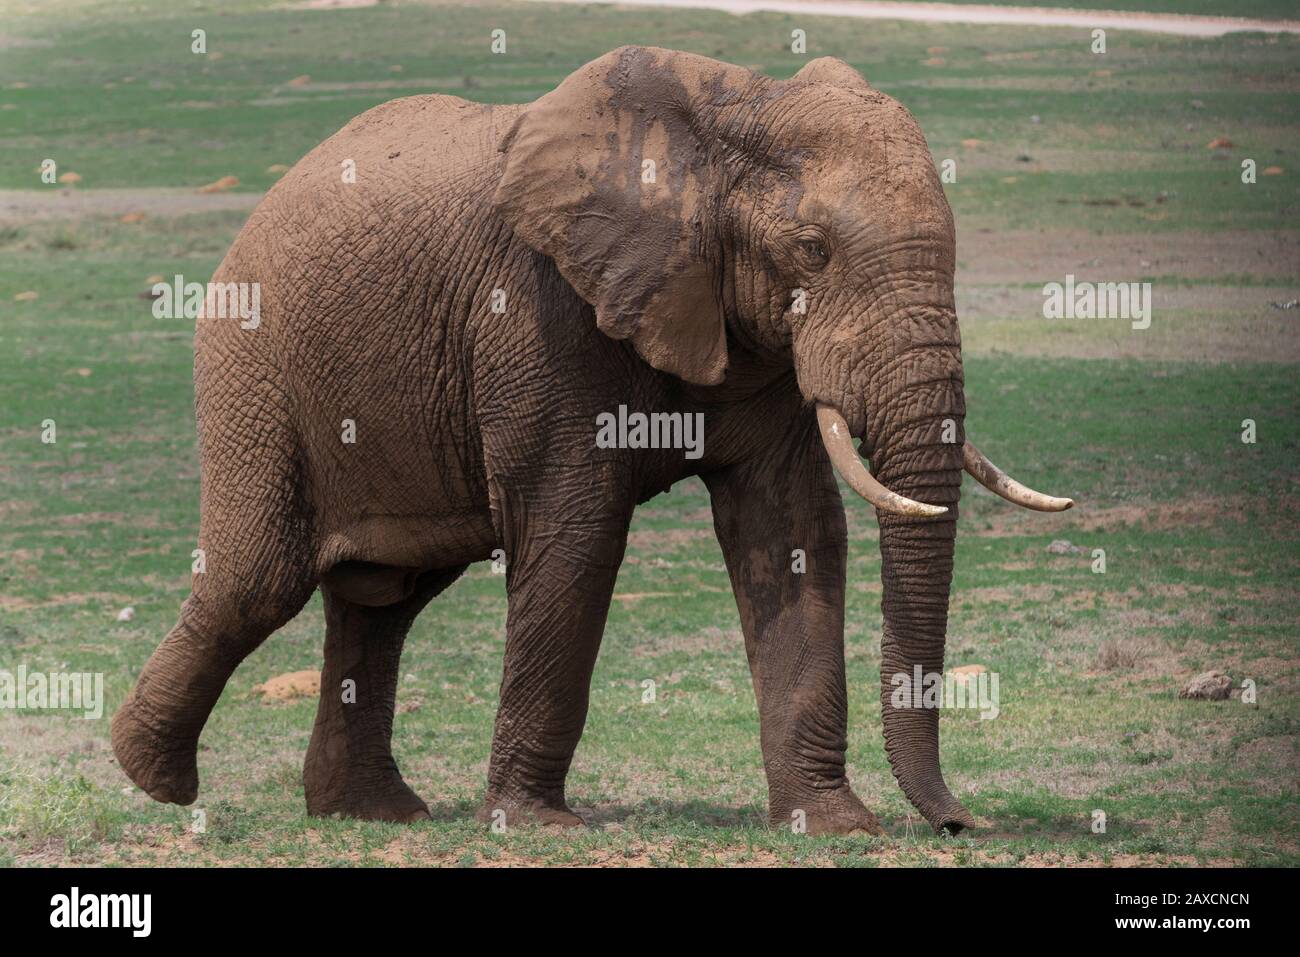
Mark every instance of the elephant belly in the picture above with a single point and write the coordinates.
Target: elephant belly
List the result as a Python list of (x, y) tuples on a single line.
[(395, 488)]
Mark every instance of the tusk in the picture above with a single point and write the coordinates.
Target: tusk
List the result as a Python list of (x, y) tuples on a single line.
[(1000, 483), (847, 461)]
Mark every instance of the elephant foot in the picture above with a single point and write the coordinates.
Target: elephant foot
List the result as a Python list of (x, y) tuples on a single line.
[(390, 799), (516, 812), (162, 763), (831, 812)]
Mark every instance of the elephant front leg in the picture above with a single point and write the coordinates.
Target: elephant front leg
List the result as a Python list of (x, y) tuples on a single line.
[(781, 525), (560, 576)]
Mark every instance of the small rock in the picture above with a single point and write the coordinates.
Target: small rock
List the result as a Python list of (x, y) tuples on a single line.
[(126, 614), (220, 186), (1220, 143), (965, 674), (277, 168), (1062, 546), (299, 80), (1209, 686)]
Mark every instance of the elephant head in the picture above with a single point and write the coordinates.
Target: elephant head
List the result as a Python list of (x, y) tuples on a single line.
[(698, 207)]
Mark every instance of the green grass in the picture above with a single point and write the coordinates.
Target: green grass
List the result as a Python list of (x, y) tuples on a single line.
[(171, 117), (1199, 529)]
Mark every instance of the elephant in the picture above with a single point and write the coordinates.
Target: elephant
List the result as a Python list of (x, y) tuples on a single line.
[(468, 289)]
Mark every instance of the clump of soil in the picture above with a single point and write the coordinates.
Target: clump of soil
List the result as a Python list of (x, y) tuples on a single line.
[(287, 687)]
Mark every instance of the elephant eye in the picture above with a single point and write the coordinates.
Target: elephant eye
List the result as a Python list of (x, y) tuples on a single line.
[(814, 252)]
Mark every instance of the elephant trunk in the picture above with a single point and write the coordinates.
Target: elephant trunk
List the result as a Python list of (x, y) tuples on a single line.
[(916, 449), (916, 571), (923, 459), (918, 457), (909, 410)]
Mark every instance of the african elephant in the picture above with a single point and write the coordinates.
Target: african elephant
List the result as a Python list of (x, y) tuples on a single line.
[(662, 232)]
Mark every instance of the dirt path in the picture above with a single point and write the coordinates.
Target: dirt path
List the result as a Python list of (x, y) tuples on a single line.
[(984, 255), (28, 205), (1014, 256), (1192, 26)]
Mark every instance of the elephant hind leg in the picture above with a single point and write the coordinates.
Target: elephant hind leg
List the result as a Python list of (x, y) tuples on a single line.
[(350, 768), (256, 544), (156, 730)]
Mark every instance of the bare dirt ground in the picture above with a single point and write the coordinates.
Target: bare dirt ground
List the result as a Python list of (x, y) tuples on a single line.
[(1016, 256), (29, 205), (1197, 26), (1184, 25), (1216, 296), (984, 255), (1199, 323), (162, 846), (334, 4)]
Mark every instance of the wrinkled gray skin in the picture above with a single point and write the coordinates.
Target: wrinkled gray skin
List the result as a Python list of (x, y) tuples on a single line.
[(475, 430)]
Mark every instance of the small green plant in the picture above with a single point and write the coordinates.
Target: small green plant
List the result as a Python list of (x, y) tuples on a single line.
[(55, 807), (1117, 656), (62, 241), (228, 823)]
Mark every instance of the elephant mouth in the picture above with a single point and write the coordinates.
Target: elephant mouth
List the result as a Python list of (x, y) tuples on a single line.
[(848, 463)]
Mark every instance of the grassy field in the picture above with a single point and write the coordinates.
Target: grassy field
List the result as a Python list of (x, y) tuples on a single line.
[(1067, 162)]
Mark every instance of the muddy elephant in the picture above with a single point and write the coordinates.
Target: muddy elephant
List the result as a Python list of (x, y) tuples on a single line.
[(453, 296)]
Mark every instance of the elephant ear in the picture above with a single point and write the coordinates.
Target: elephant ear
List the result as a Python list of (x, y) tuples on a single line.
[(832, 70), (611, 176)]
